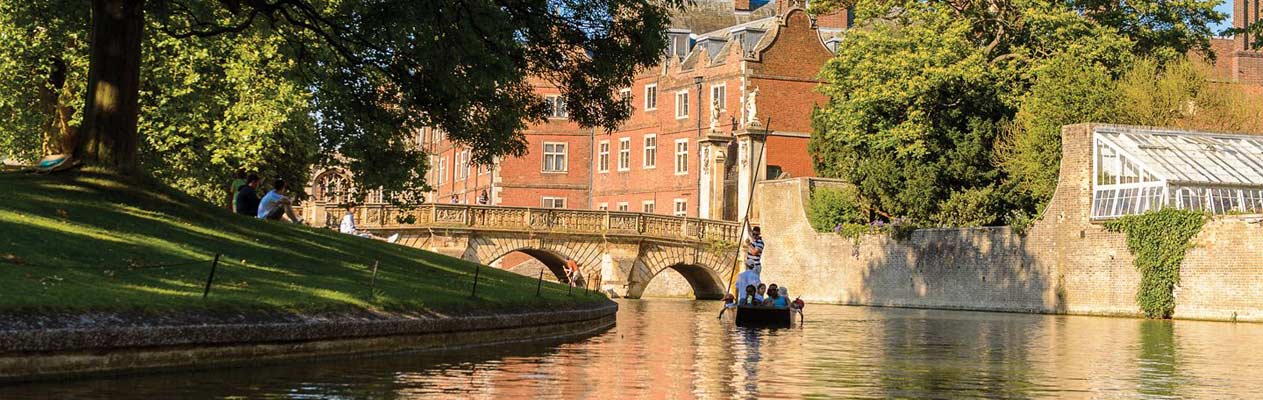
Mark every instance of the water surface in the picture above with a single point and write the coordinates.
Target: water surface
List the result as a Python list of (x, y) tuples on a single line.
[(678, 349)]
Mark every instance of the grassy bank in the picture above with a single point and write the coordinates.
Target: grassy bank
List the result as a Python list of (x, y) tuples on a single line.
[(90, 241)]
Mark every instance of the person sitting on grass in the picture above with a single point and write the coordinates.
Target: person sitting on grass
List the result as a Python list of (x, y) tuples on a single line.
[(348, 225), (750, 298), (276, 204), (247, 199)]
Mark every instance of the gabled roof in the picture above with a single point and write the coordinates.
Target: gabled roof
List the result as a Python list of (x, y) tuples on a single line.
[(1191, 158), (710, 15)]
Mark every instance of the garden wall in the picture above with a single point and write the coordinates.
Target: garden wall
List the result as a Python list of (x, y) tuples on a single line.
[(1064, 264)]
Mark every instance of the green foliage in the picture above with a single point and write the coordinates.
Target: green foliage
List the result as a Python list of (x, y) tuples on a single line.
[(1158, 240), (972, 207), (919, 98), (833, 207), (43, 71)]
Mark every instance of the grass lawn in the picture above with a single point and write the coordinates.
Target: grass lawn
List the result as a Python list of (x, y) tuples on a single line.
[(91, 241)]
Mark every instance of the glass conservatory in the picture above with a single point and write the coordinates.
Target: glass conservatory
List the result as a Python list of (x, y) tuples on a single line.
[(1135, 171)]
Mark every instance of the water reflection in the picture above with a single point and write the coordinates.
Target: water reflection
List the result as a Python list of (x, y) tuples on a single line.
[(673, 349)]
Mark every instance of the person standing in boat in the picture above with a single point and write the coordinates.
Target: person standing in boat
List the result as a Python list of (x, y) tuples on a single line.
[(754, 250)]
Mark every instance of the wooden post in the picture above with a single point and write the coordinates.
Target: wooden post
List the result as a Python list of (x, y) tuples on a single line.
[(210, 278), (539, 283), (474, 292)]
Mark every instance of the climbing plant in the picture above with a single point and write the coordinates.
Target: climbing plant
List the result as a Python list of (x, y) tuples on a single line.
[(1158, 240)]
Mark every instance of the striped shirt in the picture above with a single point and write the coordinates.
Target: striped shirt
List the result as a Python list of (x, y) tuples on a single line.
[(755, 260)]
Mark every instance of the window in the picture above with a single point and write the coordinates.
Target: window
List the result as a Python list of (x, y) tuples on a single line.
[(622, 206), (681, 156), (682, 104), (554, 157), (625, 96), (557, 107), (603, 156), (681, 207), (651, 97), (624, 154), (603, 207), (461, 168), (718, 96), (442, 170), (651, 151), (646, 207), (553, 202)]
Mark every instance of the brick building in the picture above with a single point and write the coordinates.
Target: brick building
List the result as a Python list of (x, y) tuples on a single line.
[(730, 102), (1237, 60)]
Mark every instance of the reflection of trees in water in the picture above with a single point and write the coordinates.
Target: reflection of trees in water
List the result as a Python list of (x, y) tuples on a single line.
[(955, 355), (1157, 372)]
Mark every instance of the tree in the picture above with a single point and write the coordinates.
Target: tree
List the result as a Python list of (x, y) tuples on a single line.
[(377, 70)]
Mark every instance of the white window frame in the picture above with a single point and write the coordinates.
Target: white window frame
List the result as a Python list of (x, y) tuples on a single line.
[(626, 96), (442, 169), (682, 107), (564, 154), (551, 202), (680, 207), (647, 207), (461, 167), (651, 97), (650, 152), (603, 206), (722, 99), (622, 206), (681, 158), (624, 154), (557, 107), (603, 156)]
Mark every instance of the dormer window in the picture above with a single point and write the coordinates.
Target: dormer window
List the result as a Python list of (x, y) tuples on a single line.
[(556, 107), (678, 42)]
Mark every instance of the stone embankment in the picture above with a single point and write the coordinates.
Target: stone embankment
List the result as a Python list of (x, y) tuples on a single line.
[(1065, 263), (60, 345)]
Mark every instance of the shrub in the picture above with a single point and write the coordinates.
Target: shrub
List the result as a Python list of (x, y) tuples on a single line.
[(831, 208)]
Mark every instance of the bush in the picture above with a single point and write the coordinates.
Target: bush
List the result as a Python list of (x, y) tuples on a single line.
[(831, 208), (970, 207)]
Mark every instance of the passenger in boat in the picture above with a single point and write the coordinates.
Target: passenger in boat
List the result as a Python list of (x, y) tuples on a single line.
[(750, 298), (748, 278), (761, 294), (774, 298)]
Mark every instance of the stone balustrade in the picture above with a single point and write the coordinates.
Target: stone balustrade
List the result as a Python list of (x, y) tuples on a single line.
[(523, 219)]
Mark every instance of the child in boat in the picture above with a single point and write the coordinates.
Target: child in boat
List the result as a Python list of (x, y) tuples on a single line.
[(751, 298)]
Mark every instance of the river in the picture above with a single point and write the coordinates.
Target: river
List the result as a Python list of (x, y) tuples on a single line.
[(677, 349)]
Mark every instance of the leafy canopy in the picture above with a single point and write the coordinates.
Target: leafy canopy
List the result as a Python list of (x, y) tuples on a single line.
[(361, 75)]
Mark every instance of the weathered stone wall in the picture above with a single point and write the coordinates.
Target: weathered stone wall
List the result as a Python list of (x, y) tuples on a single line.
[(1064, 264), (668, 283)]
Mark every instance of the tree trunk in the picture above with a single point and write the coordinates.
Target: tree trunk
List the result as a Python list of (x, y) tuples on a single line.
[(108, 136)]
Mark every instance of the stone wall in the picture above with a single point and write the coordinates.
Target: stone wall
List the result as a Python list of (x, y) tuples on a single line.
[(1064, 264)]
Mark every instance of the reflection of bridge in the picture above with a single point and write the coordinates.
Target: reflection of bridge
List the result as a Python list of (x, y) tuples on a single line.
[(626, 250)]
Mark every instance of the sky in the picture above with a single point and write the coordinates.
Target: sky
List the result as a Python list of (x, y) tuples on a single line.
[(1226, 8)]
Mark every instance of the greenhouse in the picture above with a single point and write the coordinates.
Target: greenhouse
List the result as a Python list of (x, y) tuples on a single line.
[(1135, 171)]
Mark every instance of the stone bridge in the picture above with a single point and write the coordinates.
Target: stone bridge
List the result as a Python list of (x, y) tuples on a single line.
[(620, 252)]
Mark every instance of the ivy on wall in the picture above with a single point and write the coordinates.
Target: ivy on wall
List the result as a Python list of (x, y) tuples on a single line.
[(1158, 240)]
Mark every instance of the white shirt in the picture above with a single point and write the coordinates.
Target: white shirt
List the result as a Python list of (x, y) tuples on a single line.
[(270, 202), (348, 224), (748, 278)]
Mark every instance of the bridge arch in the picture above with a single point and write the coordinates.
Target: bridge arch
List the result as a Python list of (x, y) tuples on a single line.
[(706, 285), (551, 251)]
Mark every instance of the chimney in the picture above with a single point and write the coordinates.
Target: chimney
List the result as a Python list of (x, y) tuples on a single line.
[(741, 6)]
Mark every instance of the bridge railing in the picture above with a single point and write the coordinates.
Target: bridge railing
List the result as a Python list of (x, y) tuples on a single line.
[(460, 216)]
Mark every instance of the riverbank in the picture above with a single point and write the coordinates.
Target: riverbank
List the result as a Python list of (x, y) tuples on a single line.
[(102, 273)]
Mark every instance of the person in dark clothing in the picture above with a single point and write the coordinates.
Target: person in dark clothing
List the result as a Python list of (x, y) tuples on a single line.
[(247, 201)]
